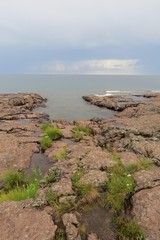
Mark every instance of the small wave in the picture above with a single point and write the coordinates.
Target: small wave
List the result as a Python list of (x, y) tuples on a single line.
[(122, 92), (113, 92)]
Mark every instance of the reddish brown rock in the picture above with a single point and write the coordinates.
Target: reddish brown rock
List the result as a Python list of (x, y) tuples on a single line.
[(116, 103), (146, 210), (97, 159), (95, 177), (63, 187), (20, 223), (147, 178), (20, 105), (71, 224)]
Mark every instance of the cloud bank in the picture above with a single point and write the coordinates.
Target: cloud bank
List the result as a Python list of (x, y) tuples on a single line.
[(61, 31), (104, 66)]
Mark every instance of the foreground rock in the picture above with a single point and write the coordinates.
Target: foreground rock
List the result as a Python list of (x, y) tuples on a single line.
[(27, 223), (146, 210)]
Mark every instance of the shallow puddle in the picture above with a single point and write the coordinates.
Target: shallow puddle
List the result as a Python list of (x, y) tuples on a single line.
[(39, 161), (99, 221)]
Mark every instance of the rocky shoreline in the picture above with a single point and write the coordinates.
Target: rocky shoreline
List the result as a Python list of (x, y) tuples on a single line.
[(132, 135)]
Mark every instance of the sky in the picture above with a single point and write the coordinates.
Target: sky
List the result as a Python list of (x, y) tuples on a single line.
[(80, 37)]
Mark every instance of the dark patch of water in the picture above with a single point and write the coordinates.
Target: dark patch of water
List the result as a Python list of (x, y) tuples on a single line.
[(99, 221), (39, 161)]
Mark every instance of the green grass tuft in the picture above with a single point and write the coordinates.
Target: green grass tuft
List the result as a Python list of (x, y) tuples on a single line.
[(119, 188), (76, 176), (45, 143), (128, 229), (53, 133), (79, 131), (13, 179), (17, 188), (50, 134)]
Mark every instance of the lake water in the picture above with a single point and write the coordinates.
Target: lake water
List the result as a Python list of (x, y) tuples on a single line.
[(64, 92)]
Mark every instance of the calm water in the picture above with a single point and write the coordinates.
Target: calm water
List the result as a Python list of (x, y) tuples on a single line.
[(64, 92)]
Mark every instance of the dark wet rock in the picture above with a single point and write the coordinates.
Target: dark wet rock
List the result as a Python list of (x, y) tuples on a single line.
[(18, 222)]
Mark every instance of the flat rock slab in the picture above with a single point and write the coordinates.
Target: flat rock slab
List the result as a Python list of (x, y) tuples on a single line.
[(147, 178), (15, 152), (97, 159), (146, 210), (19, 223), (95, 177)]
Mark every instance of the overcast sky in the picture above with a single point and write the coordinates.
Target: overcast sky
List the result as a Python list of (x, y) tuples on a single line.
[(80, 36)]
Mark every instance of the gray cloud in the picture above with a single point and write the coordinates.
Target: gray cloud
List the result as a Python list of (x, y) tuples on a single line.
[(80, 24), (96, 66)]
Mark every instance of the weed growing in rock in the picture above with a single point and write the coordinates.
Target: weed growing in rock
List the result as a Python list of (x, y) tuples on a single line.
[(18, 188), (79, 131), (59, 156), (51, 178), (76, 176), (45, 142), (13, 179), (86, 192), (50, 134), (120, 186), (44, 126), (52, 198), (128, 229), (143, 163), (53, 133), (20, 193)]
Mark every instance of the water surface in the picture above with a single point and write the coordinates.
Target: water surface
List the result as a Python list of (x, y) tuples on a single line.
[(64, 92)]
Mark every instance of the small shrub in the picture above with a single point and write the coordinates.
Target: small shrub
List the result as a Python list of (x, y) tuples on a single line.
[(45, 142), (59, 156), (13, 180)]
